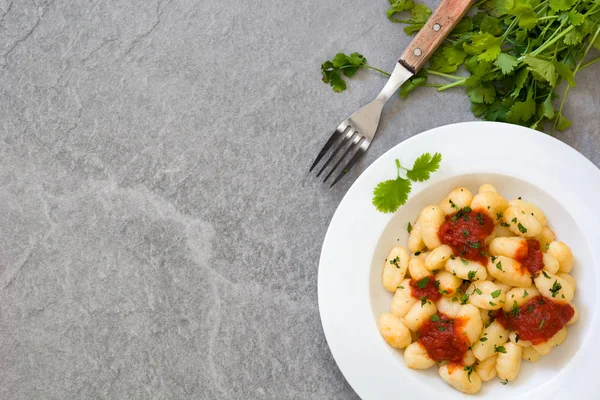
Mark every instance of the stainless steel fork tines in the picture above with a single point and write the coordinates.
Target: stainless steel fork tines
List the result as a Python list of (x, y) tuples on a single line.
[(354, 135)]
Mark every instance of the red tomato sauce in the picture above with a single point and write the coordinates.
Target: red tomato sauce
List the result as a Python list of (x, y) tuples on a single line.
[(531, 257), (465, 232), (537, 320), (444, 338), (429, 291)]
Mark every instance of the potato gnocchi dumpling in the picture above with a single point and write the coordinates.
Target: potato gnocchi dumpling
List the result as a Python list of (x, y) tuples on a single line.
[(483, 285)]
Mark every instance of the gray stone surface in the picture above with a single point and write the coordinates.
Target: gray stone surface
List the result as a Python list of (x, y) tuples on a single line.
[(159, 232)]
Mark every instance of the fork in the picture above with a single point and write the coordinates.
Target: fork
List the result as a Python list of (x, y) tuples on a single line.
[(354, 135)]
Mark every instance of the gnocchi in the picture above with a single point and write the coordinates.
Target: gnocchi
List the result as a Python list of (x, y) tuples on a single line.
[(483, 285)]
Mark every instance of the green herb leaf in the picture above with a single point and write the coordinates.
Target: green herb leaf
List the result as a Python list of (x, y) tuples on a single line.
[(555, 288), (522, 229), (496, 293), (506, 63), (435, 318), (424, 166), (545, 275), (545, 69), (423, 282), (398, 6), (409, 228), (499, 349), (561, 5), (389, 195), (419, 79), (471, 275), (344, 64)]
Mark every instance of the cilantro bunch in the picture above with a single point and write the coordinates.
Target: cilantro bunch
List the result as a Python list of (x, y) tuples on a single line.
[(514, 54)]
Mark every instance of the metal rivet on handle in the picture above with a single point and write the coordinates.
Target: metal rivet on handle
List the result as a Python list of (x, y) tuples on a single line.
[(437, 27), (417, 52)]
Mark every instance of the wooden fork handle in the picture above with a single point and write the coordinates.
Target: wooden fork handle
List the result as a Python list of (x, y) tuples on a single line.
[(436, 29)]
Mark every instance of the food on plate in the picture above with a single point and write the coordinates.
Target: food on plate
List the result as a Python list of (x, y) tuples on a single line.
[(484, 285)]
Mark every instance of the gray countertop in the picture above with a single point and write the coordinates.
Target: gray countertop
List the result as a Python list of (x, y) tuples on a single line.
[(160, 234)]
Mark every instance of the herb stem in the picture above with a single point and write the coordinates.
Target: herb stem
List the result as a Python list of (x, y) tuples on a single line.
[(587, 64), (548, 17), (550, 42), (444, 75), (564, 96), (378, 70), (509, 29), (453, 84)]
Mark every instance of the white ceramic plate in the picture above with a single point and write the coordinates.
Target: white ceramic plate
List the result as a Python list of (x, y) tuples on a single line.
[(518, 162)]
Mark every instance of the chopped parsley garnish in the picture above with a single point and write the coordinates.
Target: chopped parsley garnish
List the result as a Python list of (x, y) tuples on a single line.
[(522, 228), (418, 253), (547, 245), (452, 256), (505, 224), (475, 245), (494, 258), (546, 275), (480, 219), (466, 233), (441, 328), (436, 283), (514, 220), (499, 349), (541, 301), (409, 228), (541, 324), (478, 291), (435, 318), (504, 382), (466, 209), (515, 309), (492, 304), (452, 203), (525, 294), (443, 291), (496, 293), (423, 300), (423, 282), (555, 288), (465, 262), (530, 309), (499, 266), (400, 287), (499, 215), (395, 262), (469, 369), (464, 298), (483, 339), (471, 275)]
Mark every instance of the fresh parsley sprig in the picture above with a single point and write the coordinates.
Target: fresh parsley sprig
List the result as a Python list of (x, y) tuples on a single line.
[(389, 195)]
